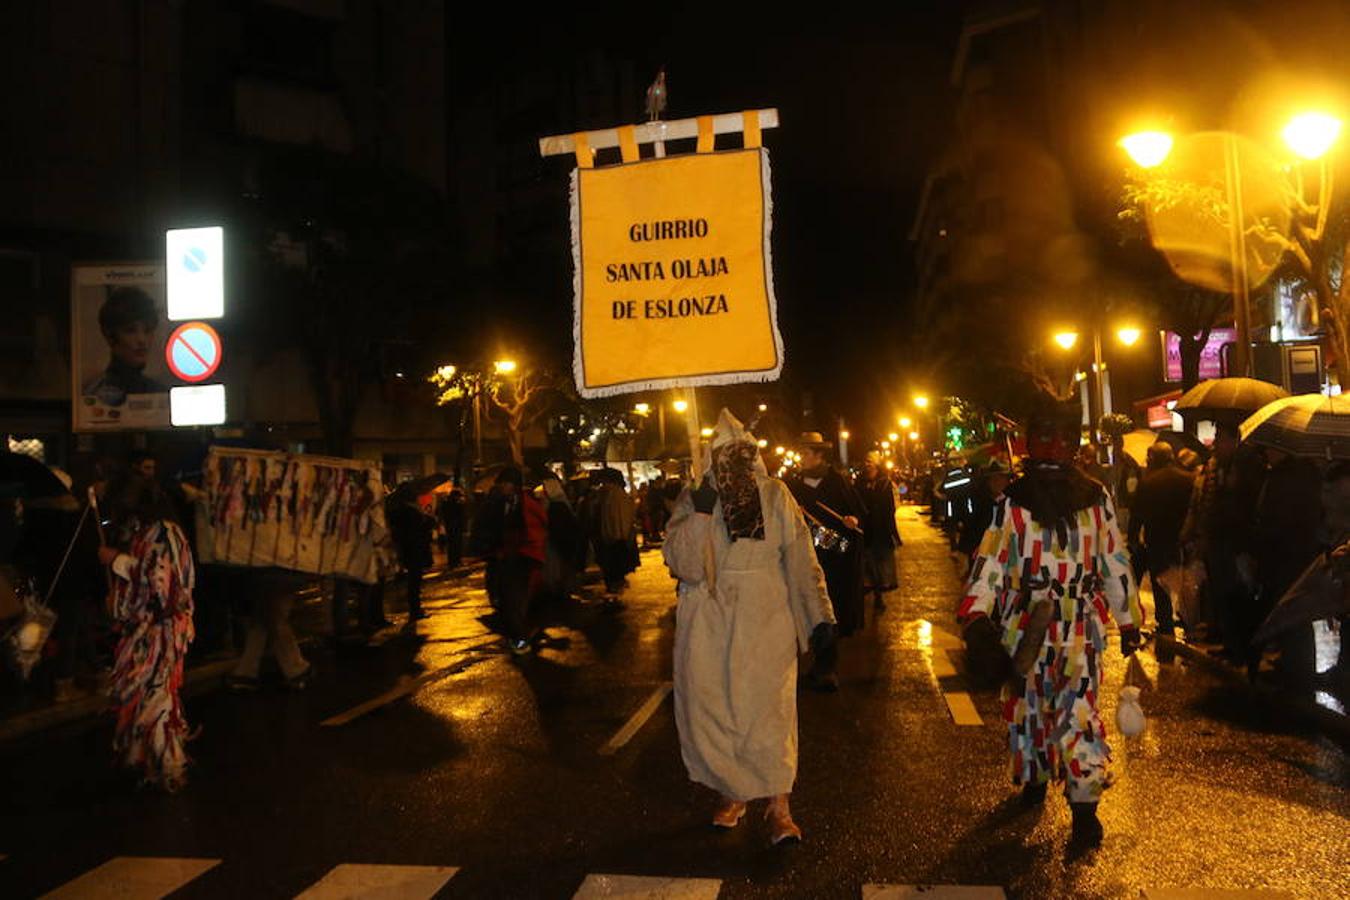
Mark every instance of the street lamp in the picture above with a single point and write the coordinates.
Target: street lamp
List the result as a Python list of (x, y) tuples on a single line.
[(893, 437), (1129, 336), (1148, 149), (1066, 339), (681, 406), (1311, 134), (905, 421), (920, 401), (504, 366), (764, 407)]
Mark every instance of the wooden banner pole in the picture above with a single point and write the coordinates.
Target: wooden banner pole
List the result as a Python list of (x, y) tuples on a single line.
[(655, 132), (695, 428)]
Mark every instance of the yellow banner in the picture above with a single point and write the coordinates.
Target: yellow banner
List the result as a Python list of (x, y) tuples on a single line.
[(674, 281)]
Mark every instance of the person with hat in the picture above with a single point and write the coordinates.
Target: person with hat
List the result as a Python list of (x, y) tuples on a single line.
[(835, 513), (1050, 567), (751, 596)]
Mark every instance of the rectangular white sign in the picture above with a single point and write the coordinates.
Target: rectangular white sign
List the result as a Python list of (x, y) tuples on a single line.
[(201, 404), (195, 258)]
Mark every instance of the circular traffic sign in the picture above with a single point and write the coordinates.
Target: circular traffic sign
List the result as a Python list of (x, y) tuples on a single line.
[(193, 351)]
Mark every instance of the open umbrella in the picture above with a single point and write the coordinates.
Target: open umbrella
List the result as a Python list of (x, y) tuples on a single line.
[(1309, 425), (1227, 396), (1321, 592)]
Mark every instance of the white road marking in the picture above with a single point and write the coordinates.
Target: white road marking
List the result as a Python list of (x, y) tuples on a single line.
[(962, 708), (641, 887), (634, 724), (133, 878), (352, 881), (1214, 894), (942, 665), (931, 892), (404, 688)]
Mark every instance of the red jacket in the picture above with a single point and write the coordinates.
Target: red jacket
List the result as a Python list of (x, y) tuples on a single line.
[(532, 539)]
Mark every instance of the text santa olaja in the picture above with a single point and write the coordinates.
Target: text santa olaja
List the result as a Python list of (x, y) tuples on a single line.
[(673, 282), (649, 270)]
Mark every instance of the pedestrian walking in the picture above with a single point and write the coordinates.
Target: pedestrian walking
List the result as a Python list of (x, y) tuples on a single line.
[(411, 528), (151, 603), (835, 514), (880, 534), (751, 596), (566, 554), (1160, 506), (454, 508), (616, 544), (269, 628), (1050, 567), (511, 533)]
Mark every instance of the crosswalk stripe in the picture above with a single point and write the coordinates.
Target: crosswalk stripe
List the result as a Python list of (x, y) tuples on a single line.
[(1214, 894), (133, 878), (931, 892), (962, 708), (353, 881), (644, 887)]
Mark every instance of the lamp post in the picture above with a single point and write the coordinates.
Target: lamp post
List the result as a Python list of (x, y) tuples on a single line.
[(1098, 402), (1309, 135)]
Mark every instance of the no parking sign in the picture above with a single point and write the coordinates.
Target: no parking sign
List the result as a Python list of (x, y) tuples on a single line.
[(193, 351)]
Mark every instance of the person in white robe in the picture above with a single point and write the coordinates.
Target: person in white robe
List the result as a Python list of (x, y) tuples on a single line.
[(751, 597)]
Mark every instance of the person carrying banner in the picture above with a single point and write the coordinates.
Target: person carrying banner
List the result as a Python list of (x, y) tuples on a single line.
[(751, 595), (1051, 568)]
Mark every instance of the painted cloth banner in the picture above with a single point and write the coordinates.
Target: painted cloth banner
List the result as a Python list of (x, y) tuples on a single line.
[(674, 276), (314, 514)]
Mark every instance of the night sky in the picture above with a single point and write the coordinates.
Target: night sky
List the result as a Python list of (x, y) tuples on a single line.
[(863, 105)]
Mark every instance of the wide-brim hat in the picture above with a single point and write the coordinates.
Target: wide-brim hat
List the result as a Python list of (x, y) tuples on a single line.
[(813, 439)]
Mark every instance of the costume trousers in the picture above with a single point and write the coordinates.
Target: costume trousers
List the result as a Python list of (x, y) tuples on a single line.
[(270, 626), (1054, 730)]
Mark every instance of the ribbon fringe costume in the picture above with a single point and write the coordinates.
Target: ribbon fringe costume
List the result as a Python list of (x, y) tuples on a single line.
[(1054, 730), (153, 603)]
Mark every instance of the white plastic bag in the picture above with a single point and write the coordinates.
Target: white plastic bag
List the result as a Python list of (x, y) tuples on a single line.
[(1129, 714), (27, 638)]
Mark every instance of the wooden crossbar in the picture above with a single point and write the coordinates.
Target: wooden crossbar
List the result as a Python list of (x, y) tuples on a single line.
[(655, 132)]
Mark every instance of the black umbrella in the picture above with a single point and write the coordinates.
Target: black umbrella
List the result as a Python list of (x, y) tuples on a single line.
[(1225, 397), (24, 476), (1309, 425)]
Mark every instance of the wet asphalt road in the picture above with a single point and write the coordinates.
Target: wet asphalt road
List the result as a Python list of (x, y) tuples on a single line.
[(493, 765)]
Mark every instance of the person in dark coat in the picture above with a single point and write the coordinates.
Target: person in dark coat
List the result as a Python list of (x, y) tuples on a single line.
[(880, 536), (828, 500), (988, 491), (454, 514), (1218, 531), (1288, 531), (411, 530), (1160, 505)]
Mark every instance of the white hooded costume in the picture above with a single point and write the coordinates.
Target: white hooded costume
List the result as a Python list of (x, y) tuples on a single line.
[(746, 609)]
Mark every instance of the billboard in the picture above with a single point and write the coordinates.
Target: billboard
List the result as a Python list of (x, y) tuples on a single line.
[(673, 281), (1211, 357), (119, 376)]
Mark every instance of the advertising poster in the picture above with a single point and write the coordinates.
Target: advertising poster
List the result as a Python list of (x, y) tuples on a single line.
[(674, 280), (120, 380), (314, 514)]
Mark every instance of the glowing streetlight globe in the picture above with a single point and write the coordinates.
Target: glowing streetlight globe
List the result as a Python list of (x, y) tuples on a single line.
[(893, 436), (1066, 339), (1147, 148), (843, 435), (921, 401), (1128, 336), (913, 435), (1311, 135), (504, 366), (681, 406), (707, 432), (905, 422)]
